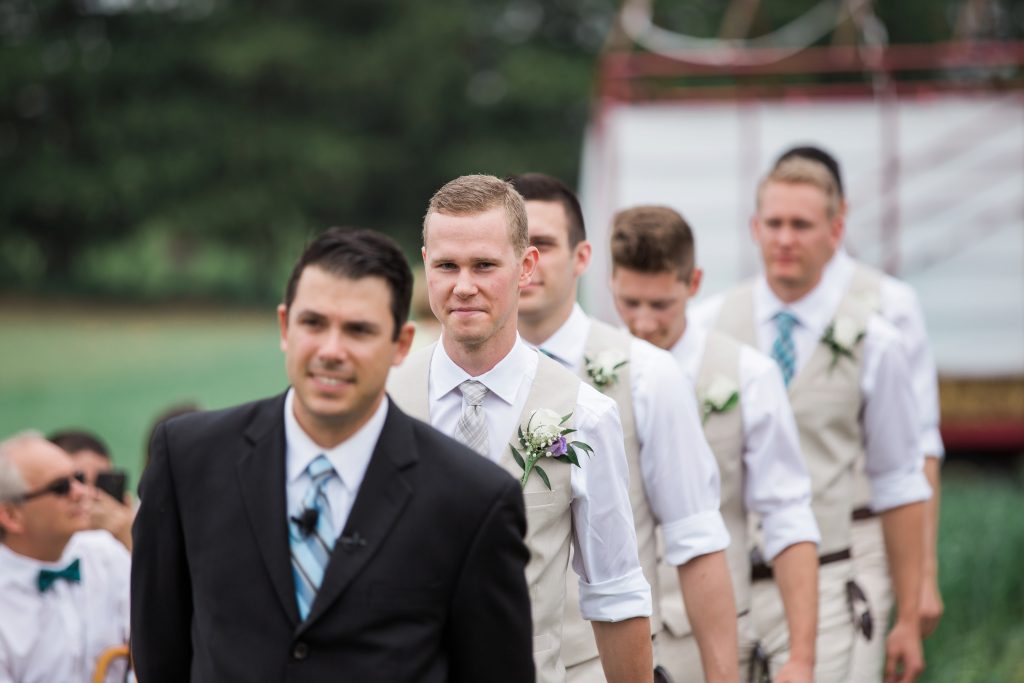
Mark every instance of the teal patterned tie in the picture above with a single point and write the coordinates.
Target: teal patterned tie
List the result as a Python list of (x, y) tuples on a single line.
[(47, 577), (312, 551), (783, 350)]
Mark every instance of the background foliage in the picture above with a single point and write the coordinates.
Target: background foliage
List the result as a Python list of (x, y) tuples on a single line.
[(160, 149)]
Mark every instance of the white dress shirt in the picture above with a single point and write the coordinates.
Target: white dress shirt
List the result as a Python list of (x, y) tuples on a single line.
[(350, 459), (678, 468), (900, 307), (612, 584), (893, 460), (776, 484), (59, 634)]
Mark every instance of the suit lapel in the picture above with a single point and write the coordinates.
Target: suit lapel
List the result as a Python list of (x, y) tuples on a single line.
[(383, 495), (261, 477)]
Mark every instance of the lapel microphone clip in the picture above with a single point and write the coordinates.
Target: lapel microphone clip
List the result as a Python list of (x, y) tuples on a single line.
[(306, 521)]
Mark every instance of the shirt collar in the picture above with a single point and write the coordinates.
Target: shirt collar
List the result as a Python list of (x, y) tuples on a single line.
[(17, 569), (686, 351), (502, 380), (568, 344), (350, 458), (814, 311)]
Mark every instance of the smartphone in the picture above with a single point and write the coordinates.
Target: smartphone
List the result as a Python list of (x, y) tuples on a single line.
[(113, 482)]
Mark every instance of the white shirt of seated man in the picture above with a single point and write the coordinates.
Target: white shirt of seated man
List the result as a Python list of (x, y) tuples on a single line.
[(63, 590)]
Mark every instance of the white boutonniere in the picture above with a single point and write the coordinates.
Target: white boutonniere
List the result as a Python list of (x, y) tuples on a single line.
[(603, 369), (545, 438), (842, 337), (722, 395)]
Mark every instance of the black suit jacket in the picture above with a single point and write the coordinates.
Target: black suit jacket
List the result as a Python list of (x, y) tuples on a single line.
[(437, 593)]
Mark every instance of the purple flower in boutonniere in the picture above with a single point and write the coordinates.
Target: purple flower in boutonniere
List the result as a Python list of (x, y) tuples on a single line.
[(559, 447), (544, 437)]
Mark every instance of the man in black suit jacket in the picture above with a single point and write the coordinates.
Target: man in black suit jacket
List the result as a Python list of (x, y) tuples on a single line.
[(426, 580)]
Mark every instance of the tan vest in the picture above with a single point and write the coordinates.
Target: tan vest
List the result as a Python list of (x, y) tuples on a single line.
[(724, 433), (548, 516), (866, 289), (578, 642), (827, 403)]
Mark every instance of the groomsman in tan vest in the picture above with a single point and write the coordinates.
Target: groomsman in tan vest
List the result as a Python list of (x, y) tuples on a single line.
[(898, 304), (850, 390), (483, 385), (673, 477), (751, 429)]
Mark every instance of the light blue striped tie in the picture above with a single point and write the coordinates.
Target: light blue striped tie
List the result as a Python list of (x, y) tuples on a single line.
[(310, 553), (783, 350)]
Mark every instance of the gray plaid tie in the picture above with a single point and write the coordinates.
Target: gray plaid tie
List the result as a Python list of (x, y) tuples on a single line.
[(472, 427)]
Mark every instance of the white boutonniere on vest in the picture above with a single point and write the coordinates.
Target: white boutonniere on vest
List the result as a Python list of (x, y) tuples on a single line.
[(842, 337), (722, 395), (603, 369), (545, 437)]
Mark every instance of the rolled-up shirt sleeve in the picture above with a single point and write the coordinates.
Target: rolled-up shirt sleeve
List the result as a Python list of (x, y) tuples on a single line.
[(679, 471), (612, 583), (778, 486), (893, 458), (902, 308)]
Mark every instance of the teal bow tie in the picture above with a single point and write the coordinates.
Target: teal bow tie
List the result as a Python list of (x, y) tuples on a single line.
[(70, 573)]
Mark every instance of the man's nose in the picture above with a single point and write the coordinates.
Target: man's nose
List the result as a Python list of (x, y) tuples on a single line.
[(643, 324), (333, 349), (465, 283)]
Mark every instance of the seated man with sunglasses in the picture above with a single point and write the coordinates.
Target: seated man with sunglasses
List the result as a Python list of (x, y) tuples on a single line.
[(63, 590)]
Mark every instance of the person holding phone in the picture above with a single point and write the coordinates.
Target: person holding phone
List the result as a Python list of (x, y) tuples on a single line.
[(112, 509)]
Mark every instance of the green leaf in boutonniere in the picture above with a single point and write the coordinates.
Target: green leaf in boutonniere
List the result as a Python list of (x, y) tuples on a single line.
[(603, 369), (545, 437), (721, 396), (842, 337)]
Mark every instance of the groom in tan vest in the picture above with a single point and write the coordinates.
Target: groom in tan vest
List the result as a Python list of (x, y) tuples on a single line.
[(483, 385), (850, 390), (674, 482)]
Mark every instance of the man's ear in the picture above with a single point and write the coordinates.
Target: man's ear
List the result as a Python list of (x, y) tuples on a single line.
[(836, 229), (11, 518), (695, 280), (529, 264), (282, 322), (404, 343), (582, 254)]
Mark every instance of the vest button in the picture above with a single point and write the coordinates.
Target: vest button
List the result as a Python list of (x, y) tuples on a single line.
[(300, 651)]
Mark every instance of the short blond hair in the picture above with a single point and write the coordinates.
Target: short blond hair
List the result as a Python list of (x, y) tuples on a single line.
[(802, 171), (469, 195)]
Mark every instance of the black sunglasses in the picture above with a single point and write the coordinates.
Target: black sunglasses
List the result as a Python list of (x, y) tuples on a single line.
[(58, 487)]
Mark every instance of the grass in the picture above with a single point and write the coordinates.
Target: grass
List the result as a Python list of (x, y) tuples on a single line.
[(113, 371), (981, 560)]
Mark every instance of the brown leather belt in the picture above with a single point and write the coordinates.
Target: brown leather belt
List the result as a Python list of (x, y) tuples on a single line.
[(764, 571), (863, 513)]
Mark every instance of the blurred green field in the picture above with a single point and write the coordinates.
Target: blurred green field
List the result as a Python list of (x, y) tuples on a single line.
[(113, 371)]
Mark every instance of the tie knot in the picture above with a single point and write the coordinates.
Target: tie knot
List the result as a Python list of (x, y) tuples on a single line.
[(785, 321), (320, 469), (473, 392)]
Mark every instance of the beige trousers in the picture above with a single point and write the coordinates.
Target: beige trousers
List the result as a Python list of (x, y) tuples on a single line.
[(680, 656), (834, 643), (871, 569)]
